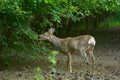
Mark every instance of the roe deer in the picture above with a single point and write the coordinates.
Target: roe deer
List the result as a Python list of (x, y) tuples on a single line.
[(81, 44)]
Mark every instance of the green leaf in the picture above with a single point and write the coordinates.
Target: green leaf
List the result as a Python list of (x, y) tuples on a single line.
[(30, 33), (50, 1), (39, 0), (55, 52), (46, 1)]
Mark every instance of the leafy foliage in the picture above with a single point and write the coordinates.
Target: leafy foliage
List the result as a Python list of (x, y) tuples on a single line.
[(52, 60), (22, 20), (38, 76)]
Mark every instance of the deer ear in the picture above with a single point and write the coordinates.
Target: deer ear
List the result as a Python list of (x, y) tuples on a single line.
[(51, 30)]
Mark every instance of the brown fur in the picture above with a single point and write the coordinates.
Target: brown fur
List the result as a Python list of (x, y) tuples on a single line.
[(71, 45)]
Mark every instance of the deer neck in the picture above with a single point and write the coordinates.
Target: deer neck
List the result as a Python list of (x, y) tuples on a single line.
[(55, 40)]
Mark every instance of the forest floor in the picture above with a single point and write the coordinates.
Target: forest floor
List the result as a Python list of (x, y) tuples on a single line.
[(107, 67)]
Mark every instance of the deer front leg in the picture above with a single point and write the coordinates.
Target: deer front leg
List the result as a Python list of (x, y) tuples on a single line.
[(69, 63)]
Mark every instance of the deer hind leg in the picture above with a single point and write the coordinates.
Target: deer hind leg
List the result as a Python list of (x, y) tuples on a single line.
[(84, 56), (89, 50), (93, 60), (69, 63)]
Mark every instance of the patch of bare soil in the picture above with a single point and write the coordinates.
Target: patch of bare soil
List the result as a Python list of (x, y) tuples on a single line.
[(107, 67), (80, 76), (16, 75)]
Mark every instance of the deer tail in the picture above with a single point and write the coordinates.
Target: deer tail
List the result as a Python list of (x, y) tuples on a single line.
[(92, 41)]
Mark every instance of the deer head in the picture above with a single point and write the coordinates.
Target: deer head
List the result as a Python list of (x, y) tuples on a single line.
[(47, 35)]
